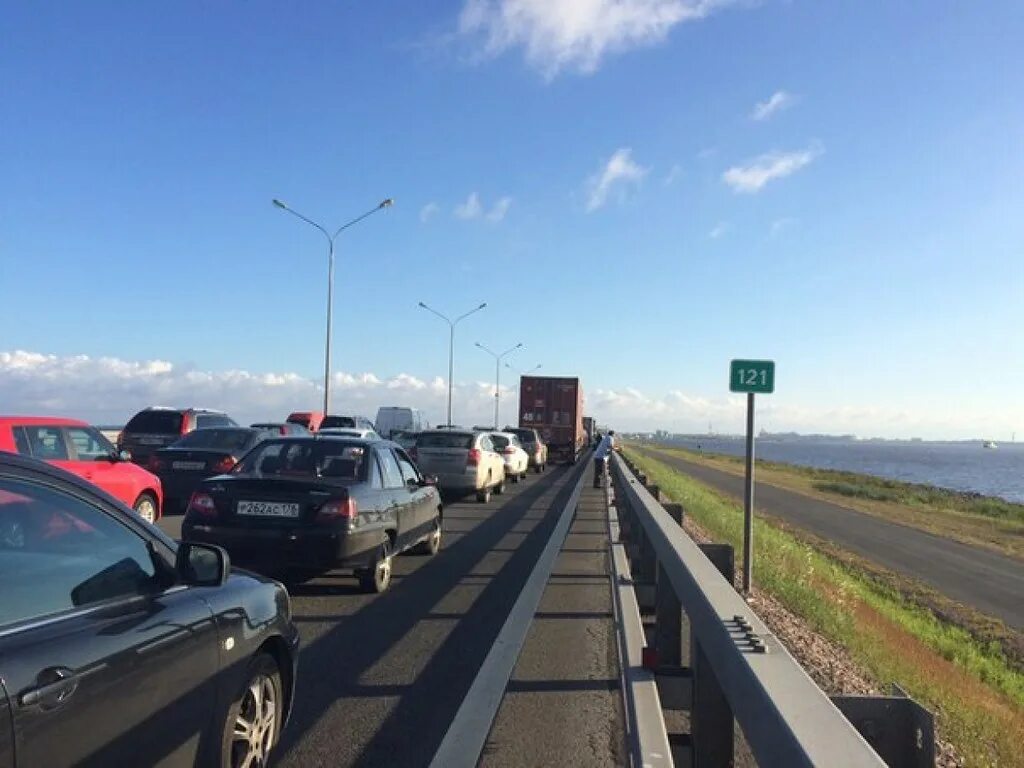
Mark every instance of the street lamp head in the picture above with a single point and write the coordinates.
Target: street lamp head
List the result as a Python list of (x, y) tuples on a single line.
[(387, 203), (280, 204), (423, 305), (482, 305), (477, 343), (517, 346)]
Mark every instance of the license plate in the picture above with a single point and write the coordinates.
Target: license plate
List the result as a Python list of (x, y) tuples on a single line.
[(188, 465), (268, 509)]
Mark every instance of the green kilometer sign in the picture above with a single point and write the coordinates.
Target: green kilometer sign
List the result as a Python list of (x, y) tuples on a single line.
[(756, 376)]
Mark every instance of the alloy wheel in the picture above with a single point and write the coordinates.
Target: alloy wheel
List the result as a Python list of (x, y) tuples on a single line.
[(253, 734)]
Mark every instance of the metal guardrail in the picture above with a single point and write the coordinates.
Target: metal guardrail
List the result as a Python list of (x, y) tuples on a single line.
[(645, 727), (738, 668)]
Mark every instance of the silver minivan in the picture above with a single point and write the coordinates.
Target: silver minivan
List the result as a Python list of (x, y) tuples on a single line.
[(462, 460)]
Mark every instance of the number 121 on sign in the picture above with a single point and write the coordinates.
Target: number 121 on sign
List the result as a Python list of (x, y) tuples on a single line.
[(757, 376)]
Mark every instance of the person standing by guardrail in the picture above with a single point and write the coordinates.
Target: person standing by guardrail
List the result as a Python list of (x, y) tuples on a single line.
[(601, 454)]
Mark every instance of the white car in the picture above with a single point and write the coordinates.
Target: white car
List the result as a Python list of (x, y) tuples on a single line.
[(517, 460), (361, 434)]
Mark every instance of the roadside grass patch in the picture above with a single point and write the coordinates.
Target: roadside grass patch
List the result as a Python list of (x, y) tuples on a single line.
[(977, 696)]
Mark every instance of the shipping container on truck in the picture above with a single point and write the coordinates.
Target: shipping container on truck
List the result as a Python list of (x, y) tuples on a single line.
[(590, 427), (553, 405)]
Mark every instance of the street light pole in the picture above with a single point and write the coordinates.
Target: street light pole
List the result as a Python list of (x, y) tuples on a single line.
[(387, 203), (451, 346), (497, 375)]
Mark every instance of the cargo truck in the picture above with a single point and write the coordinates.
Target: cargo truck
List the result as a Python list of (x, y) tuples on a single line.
[(553, 405)]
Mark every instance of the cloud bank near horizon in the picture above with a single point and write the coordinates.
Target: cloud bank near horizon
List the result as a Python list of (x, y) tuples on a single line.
[(108, 390)]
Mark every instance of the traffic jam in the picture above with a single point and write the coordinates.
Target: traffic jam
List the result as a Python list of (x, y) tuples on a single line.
[(102, 608)]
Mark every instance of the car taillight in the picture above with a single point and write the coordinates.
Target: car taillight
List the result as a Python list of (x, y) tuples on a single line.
[(202, 504), (154, 464), (224, 464), (473, 457), (338, 510)]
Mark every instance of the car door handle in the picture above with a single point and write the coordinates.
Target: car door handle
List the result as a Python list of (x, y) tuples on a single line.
[(51, 694)]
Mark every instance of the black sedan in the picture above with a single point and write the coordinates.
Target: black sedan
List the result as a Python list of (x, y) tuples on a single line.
[(297, 506), (120, 647), (198, 455)]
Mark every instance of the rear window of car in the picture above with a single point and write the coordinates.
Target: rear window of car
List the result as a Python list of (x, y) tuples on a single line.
[(155, 422), (445, 440), (304, 459), (526, 435), (499, 441), (216, 439), (338, 421), (204, 420)]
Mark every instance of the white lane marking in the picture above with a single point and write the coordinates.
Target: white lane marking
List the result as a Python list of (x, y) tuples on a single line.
[(466, 736)]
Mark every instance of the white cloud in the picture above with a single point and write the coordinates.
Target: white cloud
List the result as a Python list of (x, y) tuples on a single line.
[(107, 390), (575, 34), (718, 230), (499, 210), (428, 211), (777, 102), (754, 175), (471, 209), (781, 225), (619, 171), (673, 175)]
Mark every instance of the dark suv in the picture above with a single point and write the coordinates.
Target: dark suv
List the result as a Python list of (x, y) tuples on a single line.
[(151, 429), (533, 445), (121, 647)]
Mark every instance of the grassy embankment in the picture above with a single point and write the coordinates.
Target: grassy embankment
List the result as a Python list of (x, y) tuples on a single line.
[(974, 689), (983, 521)]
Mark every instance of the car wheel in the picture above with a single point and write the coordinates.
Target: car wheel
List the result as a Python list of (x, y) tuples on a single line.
[(253, 722), (378, 578), (483, 495), (432, 544), (514, 478), (145, 507), (500, 487)]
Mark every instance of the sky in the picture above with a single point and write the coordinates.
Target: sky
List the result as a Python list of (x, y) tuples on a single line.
[(641, 190)]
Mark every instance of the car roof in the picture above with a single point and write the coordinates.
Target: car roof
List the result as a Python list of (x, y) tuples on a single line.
[(466, 432), (42, 421), (183, 410)]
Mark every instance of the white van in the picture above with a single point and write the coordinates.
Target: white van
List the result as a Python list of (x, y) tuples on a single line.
[(391, 420)]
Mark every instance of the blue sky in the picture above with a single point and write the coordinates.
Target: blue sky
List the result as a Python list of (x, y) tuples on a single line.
[(866, 232)]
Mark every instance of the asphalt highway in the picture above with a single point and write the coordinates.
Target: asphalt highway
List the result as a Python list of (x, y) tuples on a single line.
[(381, 678), (990, 582)]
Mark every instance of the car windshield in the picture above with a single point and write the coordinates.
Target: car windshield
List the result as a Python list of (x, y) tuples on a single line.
[(445, 440), (304, 459), (216, 439), (156, 422)]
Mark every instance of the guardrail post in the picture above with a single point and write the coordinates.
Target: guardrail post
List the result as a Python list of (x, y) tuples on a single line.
[(668, 626), (711, 719)]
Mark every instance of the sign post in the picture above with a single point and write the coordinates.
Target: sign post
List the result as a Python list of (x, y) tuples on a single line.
[(751, 377)]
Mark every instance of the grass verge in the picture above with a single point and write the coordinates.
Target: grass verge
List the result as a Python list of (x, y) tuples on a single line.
[(977, 695), (973, 519)]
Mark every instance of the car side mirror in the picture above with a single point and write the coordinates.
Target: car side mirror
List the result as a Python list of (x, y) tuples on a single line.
[(124, 456), (202, 565)]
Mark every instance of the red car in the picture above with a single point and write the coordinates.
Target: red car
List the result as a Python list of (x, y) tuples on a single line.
[(81, 449)]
